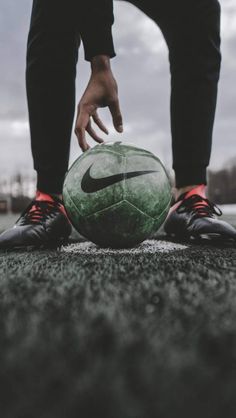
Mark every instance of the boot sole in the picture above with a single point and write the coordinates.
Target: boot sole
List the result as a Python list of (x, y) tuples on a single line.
[(203, 238)]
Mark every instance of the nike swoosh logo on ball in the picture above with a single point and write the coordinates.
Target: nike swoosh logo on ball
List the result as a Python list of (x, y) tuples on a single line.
[(92, 185)]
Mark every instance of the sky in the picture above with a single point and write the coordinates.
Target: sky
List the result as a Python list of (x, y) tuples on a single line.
[(142, 71)]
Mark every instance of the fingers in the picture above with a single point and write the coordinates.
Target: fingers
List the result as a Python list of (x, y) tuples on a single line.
[(93, 134), (116, 115), (81, 124), (80, 133), (99, 123)]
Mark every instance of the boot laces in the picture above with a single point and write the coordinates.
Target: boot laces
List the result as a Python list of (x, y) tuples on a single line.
[(38, 211), (199, 206)]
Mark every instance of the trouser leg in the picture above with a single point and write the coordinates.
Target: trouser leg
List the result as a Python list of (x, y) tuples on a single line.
[(52, 54), (192, 31)]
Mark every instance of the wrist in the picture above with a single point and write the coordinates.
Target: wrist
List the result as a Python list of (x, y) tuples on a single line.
[(100, 63)]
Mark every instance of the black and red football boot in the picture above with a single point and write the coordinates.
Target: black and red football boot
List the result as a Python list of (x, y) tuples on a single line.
[(194, 217), (43, 223)]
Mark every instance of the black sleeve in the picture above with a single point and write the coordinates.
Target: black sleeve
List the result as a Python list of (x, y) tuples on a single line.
[(96, 19)]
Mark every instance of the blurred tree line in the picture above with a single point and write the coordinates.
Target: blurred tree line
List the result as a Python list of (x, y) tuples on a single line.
[(222, 185), (17, 191)]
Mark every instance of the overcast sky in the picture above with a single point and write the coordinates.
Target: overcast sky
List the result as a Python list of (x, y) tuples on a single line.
[(142, 72)]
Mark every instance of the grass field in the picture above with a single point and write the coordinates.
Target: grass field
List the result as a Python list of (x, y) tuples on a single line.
[(142, 333)]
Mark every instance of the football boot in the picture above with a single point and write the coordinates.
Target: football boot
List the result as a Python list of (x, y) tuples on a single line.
[(194, 217), (43, 223)]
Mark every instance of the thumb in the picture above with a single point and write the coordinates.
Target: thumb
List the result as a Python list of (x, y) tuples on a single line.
[(116, 115)]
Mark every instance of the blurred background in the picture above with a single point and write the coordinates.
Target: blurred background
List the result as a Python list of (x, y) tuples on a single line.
[(142, 71)]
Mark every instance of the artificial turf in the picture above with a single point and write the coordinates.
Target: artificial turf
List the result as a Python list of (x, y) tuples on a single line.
[(143, 333)]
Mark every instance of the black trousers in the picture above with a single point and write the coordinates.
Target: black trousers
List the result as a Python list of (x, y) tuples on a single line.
[(191, 29)]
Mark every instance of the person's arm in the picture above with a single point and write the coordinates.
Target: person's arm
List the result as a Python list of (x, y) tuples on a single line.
[(101, 91), (96, 20)]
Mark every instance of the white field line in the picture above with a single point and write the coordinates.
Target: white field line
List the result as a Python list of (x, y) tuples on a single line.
[(147, 247)]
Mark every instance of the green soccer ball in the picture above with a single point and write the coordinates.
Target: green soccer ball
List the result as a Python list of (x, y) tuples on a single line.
[(116, 194)]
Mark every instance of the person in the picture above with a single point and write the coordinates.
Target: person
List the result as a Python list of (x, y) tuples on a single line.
[(192, 33)]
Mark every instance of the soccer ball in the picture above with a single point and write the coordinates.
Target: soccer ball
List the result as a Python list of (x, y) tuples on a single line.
[(116, 194)]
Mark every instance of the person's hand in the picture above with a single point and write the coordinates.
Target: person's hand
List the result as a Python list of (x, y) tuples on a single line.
[(101, 91)]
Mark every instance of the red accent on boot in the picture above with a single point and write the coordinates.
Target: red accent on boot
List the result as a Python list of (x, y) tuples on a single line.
[(47, 198), (199, 190), (43, 196)]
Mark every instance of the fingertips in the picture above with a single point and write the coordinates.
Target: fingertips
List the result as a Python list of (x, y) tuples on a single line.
[(116, 116), (94, 135), (100, 124), (80, 133), (119, 128)]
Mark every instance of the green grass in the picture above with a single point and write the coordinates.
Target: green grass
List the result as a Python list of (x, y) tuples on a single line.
[(143, 333)]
